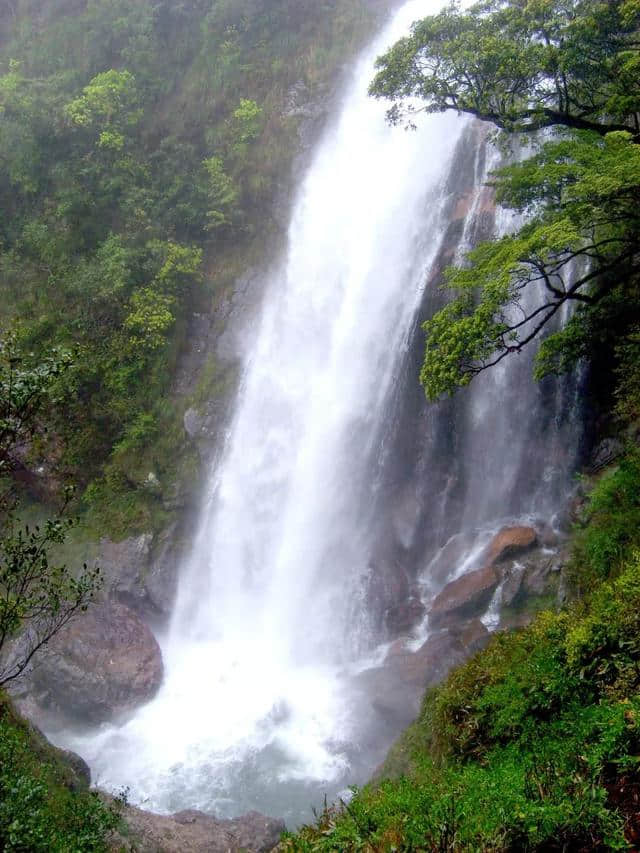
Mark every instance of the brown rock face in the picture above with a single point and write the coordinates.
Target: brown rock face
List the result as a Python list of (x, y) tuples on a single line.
[(103, 663), (510, 541), (465, 597), (196, 832)]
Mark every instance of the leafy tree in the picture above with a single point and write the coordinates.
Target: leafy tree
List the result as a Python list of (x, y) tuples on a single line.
[(247, 120), (525, 66), (37, 597), (150, 318), (110, 103), (522, 65)]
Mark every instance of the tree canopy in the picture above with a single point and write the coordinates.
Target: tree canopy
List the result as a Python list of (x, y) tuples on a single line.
[(526, 66), (522, 64)]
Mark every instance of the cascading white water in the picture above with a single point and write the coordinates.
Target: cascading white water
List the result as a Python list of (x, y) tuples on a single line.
[(258, 708), (268, 613)]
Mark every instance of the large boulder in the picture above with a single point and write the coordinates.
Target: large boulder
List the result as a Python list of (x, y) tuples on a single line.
[(509, 542), (196, 832), (395, 689), (464, 598), (102, 664)]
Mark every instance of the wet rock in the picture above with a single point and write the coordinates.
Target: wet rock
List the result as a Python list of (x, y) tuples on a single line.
[(404, 616), (512, 584), (606, 452), (535, 579), (563, 593), (160, 581), (547, 536), (102, 664), (196, 832), (464, 598), (452, 553), (395, 689), (541, 570), (509, 542), (123, 566), (392, 601), (394, 702), (473, 635), (405, 518), (193, 423), (577, 511), (152, 484), (141, 572), (433, 660), (398, 647), (235, 316)]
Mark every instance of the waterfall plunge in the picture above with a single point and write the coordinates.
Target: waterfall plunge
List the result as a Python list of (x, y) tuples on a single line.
[(270, 619)]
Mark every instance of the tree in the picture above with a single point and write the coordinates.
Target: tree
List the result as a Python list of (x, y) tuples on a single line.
[(37, 596), (525, 66), (522, 65), (110, 104)]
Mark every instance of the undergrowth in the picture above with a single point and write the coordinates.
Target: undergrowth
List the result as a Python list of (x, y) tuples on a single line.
[(43, 806)]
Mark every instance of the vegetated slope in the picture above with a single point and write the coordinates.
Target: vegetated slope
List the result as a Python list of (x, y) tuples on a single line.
[(142, 145), (45, 804), (533, 744)]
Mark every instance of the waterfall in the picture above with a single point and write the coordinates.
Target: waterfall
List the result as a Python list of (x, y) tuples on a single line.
[(271, 617)]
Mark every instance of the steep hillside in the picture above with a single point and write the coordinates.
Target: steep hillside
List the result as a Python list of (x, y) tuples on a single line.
[(143, 148)]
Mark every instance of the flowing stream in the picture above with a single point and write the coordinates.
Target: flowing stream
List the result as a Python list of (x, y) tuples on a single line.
[(271, 617)]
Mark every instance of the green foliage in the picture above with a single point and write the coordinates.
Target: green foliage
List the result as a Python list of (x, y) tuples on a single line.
[(610, 528), (572, 65), (522, 66), (580, 243), (141, 146), (26, 388), (39, 811), (628, 374), (221, 192), (247, 121), (110, 103), (37, 595)]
